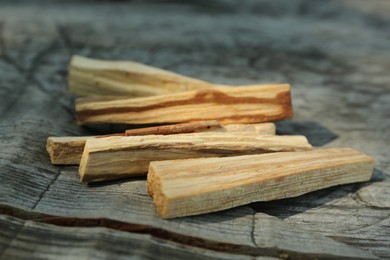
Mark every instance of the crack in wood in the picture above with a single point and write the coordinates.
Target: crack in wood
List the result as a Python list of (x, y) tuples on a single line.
[(37, 59), (65, 38), (19, 88), (3, 53), (356, 197), (252, 233), (128, 227), (47, 188), (162, 234), (27, 74)]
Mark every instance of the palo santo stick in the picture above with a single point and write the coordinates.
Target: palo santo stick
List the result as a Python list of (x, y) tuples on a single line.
[(261, 129), (98, 77), (204, 126), (196, 186), (254, 104), (191, 127), (68, 150), (117, 157), (89, 77)]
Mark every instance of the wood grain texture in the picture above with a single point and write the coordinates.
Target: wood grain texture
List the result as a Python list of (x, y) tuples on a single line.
[(100, 77), (45, 241), (261, 129), (253, 104), (196, 186), (183, 128), (95, 237), (67, 150), (118, 157)]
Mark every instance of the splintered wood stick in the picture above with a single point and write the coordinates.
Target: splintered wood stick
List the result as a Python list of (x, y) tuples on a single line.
[(67, 150), (261, 129), (204, 126), (99, 77), (191, 127), (117, 157), (89, 77), (195, 186), (228, 105)]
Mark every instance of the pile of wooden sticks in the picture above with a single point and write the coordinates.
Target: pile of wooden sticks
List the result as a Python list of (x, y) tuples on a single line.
[(214, 147)]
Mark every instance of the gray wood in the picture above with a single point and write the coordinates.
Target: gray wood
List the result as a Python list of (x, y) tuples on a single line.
[(268, 236), (354, 214), (32, 240), (335, 54)]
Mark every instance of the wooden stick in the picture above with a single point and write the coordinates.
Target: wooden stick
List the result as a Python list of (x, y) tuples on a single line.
[(89, 77), (261, 129), (183, 128), (255, 104), (98, 77), (117, 157), (196, 186), (68, 150)]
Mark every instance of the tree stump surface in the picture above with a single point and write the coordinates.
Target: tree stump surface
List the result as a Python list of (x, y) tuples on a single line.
[(335, 55)]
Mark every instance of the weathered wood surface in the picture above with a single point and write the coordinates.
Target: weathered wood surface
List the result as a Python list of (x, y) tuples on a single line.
[(32, 241), (135, 239), (118, 157), (335, 54)]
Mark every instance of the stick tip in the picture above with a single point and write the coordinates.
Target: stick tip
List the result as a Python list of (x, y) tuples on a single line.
[(83, 163)]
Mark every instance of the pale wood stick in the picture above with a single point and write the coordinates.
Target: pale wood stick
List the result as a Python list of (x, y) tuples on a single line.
[(261, 129), (67, 150), (99, 77), (253, 104), (117, 157), (191, 127), (196, 186)]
